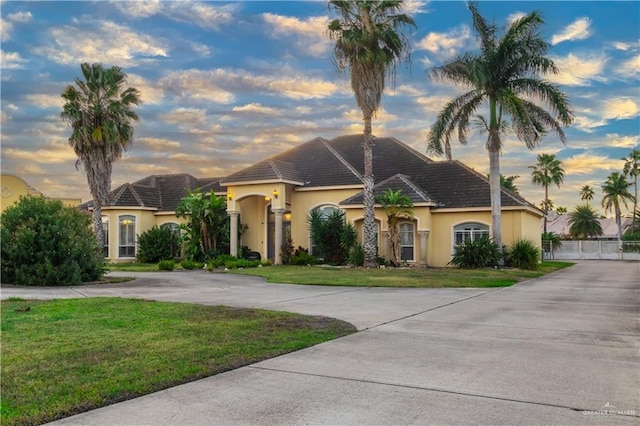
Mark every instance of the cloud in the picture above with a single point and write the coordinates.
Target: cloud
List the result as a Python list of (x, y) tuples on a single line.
[(106, 42), (204, 15), (11, 60), (630, 68), (6, 26), (577, 30), (622, 141), (621, 108), (578, 71), (184, 116), (158, 144), (588, 163), (414, 7), (139, 8), (20, 17), (42, 100), (256, 108), (309, 32), (47, 155), (150, 93), (515, 16), (446, 45), (197, 85)]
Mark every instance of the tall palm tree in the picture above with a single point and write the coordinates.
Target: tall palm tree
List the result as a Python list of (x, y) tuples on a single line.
[(584, 223), (369, 43), (587, 193), (632, 169), (548, 170), (98, 109), (503, 75), (397, 206), (616, 192)]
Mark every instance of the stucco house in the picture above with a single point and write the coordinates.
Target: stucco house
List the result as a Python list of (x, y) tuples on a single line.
[(13, 187), (275, 196)]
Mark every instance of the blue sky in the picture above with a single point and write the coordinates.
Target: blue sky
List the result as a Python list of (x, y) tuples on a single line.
[(226, 84)]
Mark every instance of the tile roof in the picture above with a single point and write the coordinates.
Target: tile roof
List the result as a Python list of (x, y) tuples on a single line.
[(161, 192), (395, 183)]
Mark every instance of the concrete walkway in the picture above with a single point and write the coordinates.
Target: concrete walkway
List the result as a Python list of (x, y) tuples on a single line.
[(562, 349)]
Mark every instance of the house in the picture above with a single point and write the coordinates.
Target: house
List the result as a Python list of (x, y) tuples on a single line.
[(451, 201), (13, 187), (560, 225), (134, 208), (273, 199)]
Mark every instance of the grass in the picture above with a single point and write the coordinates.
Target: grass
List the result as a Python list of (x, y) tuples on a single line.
[(400, 277), (64, 357), (136, 267)]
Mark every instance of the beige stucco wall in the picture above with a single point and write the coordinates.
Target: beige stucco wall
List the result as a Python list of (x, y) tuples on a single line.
[(12, 188)]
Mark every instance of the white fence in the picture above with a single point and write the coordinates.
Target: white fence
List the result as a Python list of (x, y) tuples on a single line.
[(587, 249)]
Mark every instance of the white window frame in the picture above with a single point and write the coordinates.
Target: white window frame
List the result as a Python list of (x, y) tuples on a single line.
[(130, 236), (325, 210), (105, 236), (413, 242), (470, 230)]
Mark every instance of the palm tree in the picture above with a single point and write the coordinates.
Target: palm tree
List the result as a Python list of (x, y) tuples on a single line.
[(503, 76), (548, 170), (98, 109), (397, 206), (369, 43), (561, 210), (616, 192), (587, 193), (584, 223), (632, 169)]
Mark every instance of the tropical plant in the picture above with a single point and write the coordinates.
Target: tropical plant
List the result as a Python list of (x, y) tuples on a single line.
[(561, 210), (397, 206), (523, 254), (99, 110), (207, 227), (546, 171), (508, 182), (551, 239), (584, 223), (332, 236), (546, 205), (478, 253), (369, 43), (44, 243), (156, 244), (587, 193), (167, 265), (616, 192), (504, 75), (632, 169)]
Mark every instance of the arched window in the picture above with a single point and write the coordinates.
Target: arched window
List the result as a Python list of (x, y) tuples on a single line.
[(326, 210), (469, 231), (105, 236), (127, 236), (406, 241)]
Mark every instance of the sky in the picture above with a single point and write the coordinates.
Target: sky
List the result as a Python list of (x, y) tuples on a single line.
[(227, 84)]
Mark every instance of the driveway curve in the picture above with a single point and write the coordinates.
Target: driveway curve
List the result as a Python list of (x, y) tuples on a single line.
[(561, 349)]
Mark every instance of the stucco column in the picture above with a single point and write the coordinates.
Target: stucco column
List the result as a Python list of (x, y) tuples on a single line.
[(233, 233), (423, 247), (278, 237), (386, 246)]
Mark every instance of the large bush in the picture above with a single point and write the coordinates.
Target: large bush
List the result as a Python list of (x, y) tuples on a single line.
[(332, 236), (157, 244), (47, 244), (523, 254), (479, 253)]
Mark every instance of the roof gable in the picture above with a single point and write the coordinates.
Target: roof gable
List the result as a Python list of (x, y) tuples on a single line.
[(397, 182)]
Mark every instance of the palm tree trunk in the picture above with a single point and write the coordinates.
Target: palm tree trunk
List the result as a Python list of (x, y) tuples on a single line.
[(494, 188), (619, 223), (97, 223), (546, 206), (369, 225), (447, 149)]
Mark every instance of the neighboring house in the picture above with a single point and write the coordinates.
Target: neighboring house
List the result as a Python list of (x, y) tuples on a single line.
[(275, 196), (559, 225), (451, 201), (12, 188), (136, 207)]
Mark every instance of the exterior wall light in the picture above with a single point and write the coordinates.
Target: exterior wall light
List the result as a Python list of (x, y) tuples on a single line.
[(275, 194)]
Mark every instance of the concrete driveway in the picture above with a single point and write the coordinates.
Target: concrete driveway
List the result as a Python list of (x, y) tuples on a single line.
[(562, 349)]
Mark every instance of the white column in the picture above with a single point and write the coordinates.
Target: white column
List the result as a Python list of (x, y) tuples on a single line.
[(278, 237), (233, 233), (423, 247)]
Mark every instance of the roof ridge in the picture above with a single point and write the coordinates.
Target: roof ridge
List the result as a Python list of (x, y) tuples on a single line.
[(136, 195), (413, 186), (117, 193), (340, 158), (411, 150), (275, 168)]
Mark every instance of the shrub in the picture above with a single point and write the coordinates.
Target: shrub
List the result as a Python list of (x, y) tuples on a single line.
[(220, 261), (286, 249), (47, 244), (332, 236), (167, 265), (190, 264), (479, 253), (356, 255), (523, 254), (157, 244), (241, 263)]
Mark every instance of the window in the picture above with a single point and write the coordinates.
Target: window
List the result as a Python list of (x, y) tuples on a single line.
[(469, 231), (406, 241), (175, 230), (105, 236), (127, 243)]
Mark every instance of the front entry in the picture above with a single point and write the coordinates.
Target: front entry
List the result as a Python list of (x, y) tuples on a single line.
[(271, 232)]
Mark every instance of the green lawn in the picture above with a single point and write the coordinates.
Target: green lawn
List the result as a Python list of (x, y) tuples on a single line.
[(64, 357), (399, 277)]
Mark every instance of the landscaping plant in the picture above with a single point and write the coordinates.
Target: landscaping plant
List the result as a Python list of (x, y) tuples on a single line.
[(45, 243), (523, 254), (157, 244), (479, 253)]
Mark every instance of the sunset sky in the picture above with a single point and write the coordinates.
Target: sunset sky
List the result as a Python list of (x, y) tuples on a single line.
[(226, 84)]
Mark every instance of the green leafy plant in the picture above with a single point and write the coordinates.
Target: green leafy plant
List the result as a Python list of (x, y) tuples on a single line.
[(332, 236), (190, 264), (523, 254), (167, 265), (157, 244), (242, 263), (356, 255), (286, 249), (301, 257), (44, 243), (479, 253)]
